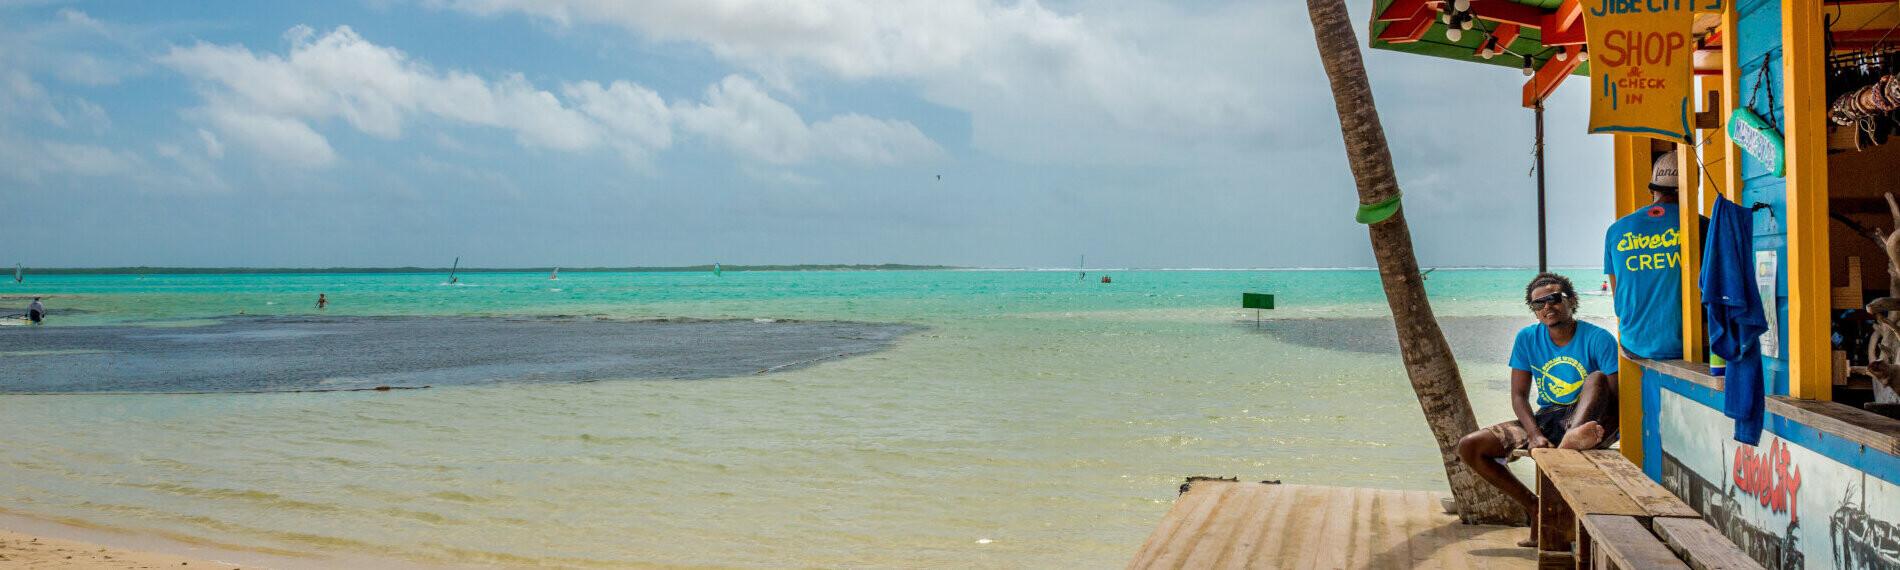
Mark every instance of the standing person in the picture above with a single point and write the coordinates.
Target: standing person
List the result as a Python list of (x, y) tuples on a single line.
[(35, 311), (322, 302), (1572, 364), (1642, 255)]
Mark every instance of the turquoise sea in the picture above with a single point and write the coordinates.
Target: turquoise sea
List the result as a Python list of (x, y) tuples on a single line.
[(1017, 419)]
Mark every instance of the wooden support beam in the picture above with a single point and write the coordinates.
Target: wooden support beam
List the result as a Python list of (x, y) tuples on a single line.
[(1408, 31), (1508, 12), (1630, 171), (1401, 10), (1809, 353), (1688, 216), (1564, 27), (1550, 76), (1499, 40), (1731, 81)]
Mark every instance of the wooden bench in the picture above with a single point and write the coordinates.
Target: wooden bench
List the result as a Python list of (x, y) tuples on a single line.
[(1604, 506)]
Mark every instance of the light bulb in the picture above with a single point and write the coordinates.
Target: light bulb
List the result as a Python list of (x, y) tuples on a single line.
[(1466, 25), (1487, 54), (1529, 66), (1583, 56), (1454, 34), (1563, 56), (1444, 17), (1461, 5)]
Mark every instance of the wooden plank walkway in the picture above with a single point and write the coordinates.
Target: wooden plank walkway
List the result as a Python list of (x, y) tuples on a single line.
[(1229, 524)]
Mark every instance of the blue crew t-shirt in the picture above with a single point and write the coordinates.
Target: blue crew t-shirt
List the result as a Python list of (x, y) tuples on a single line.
[(1557, 372), (1643, 252)]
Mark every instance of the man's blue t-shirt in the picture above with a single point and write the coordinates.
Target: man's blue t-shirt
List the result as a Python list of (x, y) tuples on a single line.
[(1642, 251), (1558, 371)]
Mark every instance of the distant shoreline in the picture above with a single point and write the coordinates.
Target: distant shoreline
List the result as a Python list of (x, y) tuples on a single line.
[(142, 270), (295, 270)]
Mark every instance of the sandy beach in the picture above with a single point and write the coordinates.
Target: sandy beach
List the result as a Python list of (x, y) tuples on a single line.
[(18, 550)]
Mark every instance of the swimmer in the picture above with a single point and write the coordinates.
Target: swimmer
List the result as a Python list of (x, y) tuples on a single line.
[(322, 302)]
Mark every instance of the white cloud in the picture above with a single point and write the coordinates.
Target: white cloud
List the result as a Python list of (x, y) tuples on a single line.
[(20, 95), (373, 88), (742, 116), (213, 147), (277, 102), (30, 160), (288, 141), (872, 141), (1117, 81), (628, 109)]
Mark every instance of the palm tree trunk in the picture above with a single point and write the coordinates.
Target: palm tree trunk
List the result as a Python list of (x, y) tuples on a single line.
[(1428, 359)]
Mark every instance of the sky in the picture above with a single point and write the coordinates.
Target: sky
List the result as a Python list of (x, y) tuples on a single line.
[(518, 133)]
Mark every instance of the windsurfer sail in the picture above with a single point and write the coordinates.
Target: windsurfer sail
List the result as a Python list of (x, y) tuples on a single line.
[(715, 269), (452, 268), (17, 275), (556, 275)]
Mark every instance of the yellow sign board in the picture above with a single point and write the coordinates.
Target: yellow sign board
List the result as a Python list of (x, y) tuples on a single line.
[(1641, 73)]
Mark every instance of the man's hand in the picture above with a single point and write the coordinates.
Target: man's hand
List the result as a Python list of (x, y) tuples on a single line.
[(1540, 442)]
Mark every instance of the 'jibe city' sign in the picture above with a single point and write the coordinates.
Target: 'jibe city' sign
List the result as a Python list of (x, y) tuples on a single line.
[(1640, 68)]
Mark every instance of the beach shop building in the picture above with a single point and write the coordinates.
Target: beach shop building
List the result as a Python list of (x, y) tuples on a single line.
[(1784, 107)]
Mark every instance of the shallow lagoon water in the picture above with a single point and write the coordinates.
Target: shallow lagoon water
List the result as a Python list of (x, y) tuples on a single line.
[(1052, 416), (310, 353)]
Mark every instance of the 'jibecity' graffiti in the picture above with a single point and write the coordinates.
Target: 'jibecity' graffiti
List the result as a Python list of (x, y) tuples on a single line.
[(1769, 475)]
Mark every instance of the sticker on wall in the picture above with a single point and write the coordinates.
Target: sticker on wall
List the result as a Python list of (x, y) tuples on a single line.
[(1760, 139), (1767, 266)]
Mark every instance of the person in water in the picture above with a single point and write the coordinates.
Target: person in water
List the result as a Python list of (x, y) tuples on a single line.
[(36, 312), (322, 302), (1572, 366)]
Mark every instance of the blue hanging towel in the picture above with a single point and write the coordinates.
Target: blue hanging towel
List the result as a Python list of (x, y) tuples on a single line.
[(1736, 316)]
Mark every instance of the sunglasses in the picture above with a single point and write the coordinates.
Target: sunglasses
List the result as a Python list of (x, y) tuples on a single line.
[(1545, 301)]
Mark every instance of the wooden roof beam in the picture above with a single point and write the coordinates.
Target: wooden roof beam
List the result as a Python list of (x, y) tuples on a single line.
[(1499, 39), (1564, 27), (1401, 10), (1552, 74), (1508, 12), (1410, 30)]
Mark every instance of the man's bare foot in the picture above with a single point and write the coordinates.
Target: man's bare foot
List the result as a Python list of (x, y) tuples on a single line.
[(1582, 437), (1532, 541)]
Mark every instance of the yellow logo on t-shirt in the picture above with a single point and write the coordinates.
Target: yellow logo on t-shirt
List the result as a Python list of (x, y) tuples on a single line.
[(1553, 387), (1647, 261)]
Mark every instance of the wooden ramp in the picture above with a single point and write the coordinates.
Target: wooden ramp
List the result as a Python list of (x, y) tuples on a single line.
[(1230, 524)]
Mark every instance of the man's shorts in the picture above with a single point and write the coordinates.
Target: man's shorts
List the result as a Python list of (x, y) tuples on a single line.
[(1553, 421), (36, 316)]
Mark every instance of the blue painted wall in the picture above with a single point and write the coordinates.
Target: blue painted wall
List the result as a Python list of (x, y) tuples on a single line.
[(1759, 43)]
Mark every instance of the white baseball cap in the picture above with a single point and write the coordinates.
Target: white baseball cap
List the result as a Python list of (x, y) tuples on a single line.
[(1663, 177)]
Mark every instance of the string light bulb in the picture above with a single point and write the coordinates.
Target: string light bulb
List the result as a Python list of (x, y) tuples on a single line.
[(1466, 24), (1454, 34), (1563, 55), (1461, 5), (1530, 66), (1583, 56)]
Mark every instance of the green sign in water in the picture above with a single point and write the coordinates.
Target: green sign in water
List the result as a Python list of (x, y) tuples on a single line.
[(1256, 300)]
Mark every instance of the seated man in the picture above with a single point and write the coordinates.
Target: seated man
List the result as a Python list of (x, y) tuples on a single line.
[(1573, 366)]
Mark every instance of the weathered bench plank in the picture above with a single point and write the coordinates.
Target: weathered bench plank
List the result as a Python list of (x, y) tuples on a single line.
[(1583, 485), (1702, 545), (1618, 541), (1232, 524), (1655, 500)]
